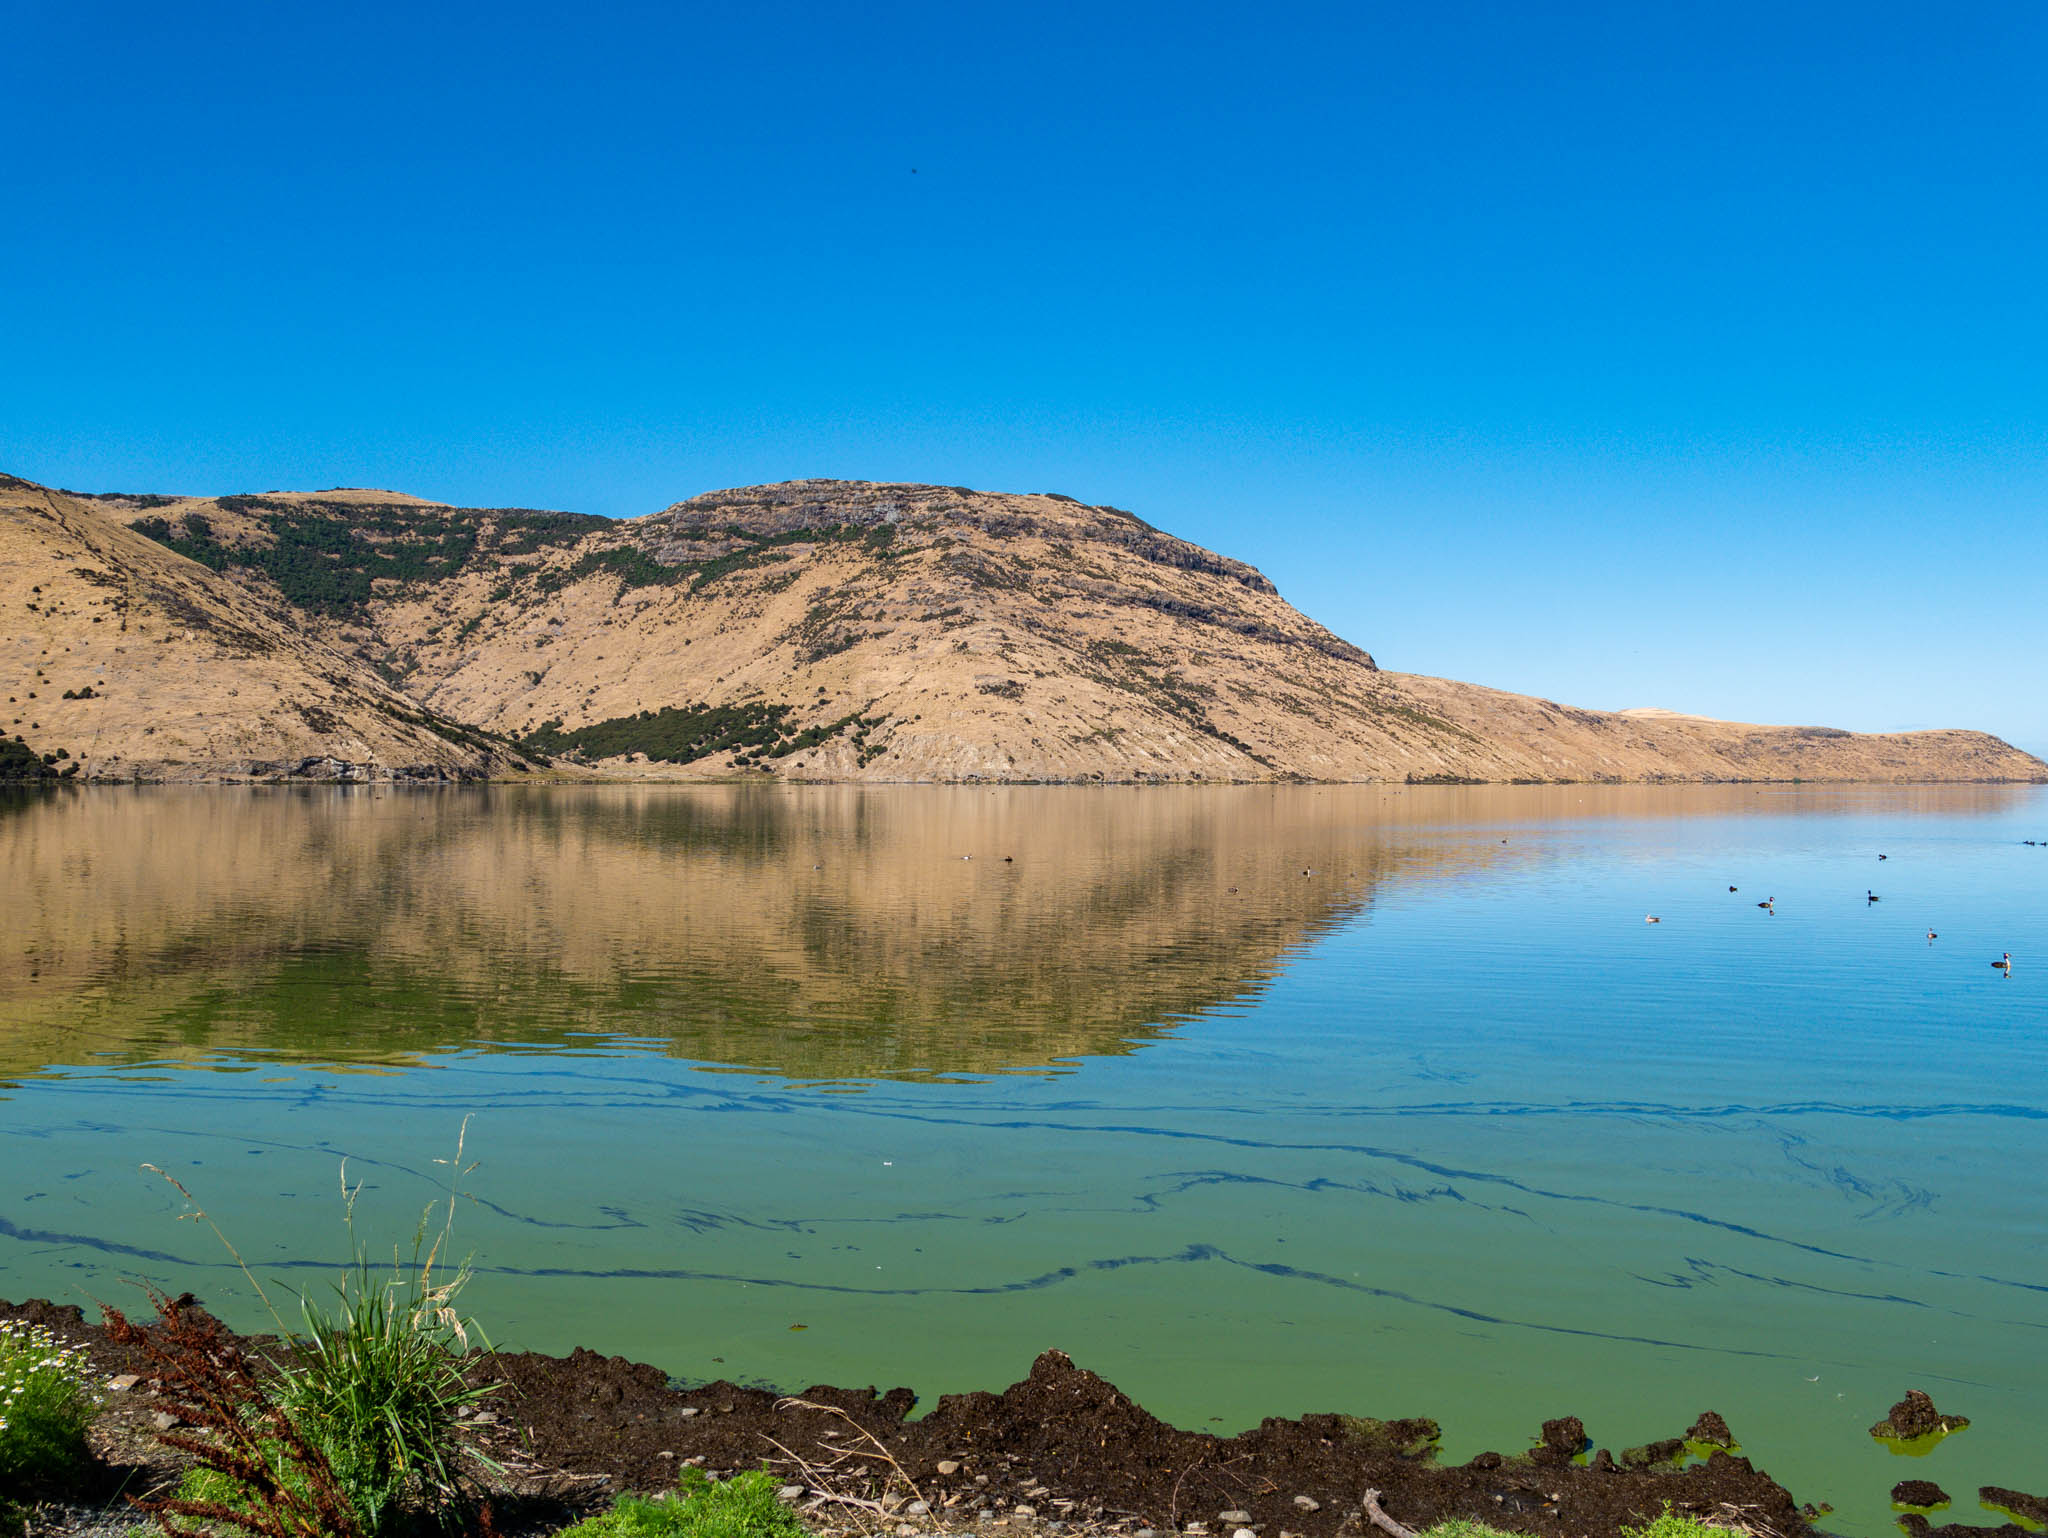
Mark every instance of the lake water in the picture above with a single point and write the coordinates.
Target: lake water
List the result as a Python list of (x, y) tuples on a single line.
[(1258, 1101)]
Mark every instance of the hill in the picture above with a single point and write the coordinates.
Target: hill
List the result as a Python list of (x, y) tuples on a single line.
[(128, 661), (844, 630)]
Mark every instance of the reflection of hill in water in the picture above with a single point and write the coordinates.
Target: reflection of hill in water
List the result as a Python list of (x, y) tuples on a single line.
[(822, 933)]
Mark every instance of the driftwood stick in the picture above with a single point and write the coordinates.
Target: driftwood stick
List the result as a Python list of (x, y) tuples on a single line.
[(1377, 1515)]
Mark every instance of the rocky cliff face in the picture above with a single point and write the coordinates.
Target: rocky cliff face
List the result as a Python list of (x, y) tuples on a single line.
[(859, 631)]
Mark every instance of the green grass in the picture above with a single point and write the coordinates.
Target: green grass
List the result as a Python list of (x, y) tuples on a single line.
[(45, 1407), (741, 1507), (1671, 1525), (210, 1487), (376, 1379), (1668, 1525)]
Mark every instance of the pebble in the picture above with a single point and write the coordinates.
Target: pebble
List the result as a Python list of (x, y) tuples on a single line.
[(1308, 1503), (786, 1493), (485, 1418), (1023, 1511), (687, 1411), (1196, 1529), (918, 1509), (163, 1420), (981, 1479), (949, 1466), (1235, 1518), (125, 1382), (664, 1455), (905, 1530), (1244, 1532)]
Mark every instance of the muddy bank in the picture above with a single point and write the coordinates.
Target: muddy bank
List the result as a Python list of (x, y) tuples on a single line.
[(1062, 1448), (1068, 1444)]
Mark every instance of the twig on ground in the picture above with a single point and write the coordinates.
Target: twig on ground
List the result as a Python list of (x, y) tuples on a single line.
[(1173, 1501), (1740, 1519), (1377, 1515), (812, 1478), (874, 1442)]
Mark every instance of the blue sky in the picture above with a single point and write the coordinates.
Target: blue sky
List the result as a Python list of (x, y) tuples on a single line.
[(1681, 355)]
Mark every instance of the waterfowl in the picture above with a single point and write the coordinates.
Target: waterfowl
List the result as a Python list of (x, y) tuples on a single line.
[(1932, 935), (1767, 902), (2004, 963), (1651, 918), (1870, 896), (1884, 857), (1731, 889)]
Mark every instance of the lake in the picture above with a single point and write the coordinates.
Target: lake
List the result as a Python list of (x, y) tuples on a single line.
[(1257, 1101)]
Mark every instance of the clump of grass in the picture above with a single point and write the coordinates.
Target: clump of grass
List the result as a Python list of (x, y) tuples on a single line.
[(1464, 1527), (45, 1407), (376, 1378), (359, 1407), (1672, 1524), (744, 1506)]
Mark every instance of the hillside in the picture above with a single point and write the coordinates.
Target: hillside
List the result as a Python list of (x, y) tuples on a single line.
[(859, 631), (129, 662)]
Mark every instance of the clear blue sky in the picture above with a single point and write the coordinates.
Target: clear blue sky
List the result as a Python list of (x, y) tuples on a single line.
[(1640, 354)]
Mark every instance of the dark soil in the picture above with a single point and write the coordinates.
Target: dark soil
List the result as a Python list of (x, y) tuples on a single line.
[(1919, 1492), (1913, 1525), (1068, 1444), (1915, 1416), (2033, 1507), (1061, 1447), (1711, 1431)]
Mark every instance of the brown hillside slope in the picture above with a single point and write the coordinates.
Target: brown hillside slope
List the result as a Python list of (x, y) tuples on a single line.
[(862, 631), (175, 673)]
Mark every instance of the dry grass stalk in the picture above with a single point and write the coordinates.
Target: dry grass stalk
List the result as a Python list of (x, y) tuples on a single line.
[(835, 1479), (210, 1384)]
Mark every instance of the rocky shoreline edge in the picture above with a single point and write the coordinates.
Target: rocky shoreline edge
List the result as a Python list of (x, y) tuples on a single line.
[(1061, 1451)]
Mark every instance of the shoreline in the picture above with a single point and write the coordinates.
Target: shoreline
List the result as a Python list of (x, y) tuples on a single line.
[(1060, 1450)]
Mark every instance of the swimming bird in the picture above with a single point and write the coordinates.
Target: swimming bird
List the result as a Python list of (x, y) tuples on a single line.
[(1932, 935), (2004, 963), (1870, 896), (1767, 902), (1651, 918), (1731, 889), (1884, 857)]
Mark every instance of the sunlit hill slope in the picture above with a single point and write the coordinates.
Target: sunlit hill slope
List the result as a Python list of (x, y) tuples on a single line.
[(826, 630)]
